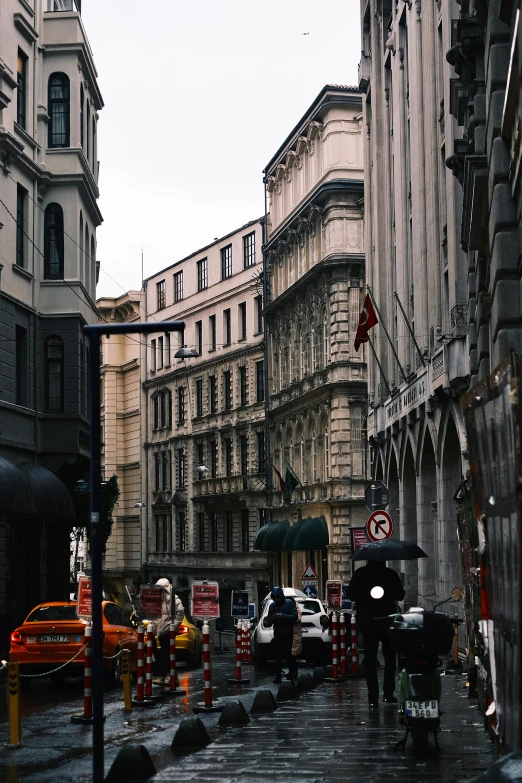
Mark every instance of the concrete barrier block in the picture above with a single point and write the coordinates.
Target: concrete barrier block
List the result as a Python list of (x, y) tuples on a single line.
[(318, 674), (191, 735), (287, 690), (133, 762), (234, 714), (305, 682), (264, 701)]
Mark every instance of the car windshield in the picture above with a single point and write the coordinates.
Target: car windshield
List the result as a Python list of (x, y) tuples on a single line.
[(310, 607), (53, 613)]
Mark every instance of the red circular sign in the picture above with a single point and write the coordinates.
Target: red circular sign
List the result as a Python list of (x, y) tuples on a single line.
[(379, 526)]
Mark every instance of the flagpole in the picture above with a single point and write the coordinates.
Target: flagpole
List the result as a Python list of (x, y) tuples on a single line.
[(410, 330), (386, 333), (380, 368)]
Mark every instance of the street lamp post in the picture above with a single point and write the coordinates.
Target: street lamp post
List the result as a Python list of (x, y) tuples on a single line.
[(94, 333)]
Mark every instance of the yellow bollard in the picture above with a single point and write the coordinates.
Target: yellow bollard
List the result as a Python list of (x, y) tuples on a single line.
[(126, 679), (15, 727)]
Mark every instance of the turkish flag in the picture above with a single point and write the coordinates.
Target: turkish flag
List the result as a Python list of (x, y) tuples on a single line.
[(367, 319), (281, 480)]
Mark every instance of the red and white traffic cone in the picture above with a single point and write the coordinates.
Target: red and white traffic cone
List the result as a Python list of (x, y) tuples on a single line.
[(87, 680), (140, 700), (342, 644), (207, 676), (239, 655), (355, 663), (173, 689)]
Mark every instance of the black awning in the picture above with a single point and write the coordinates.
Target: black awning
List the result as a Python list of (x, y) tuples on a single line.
[(270, 537), (307, 534), (15, 494), (50, 495)]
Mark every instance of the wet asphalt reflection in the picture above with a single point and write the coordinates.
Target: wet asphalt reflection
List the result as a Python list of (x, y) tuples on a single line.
[(327, 734)]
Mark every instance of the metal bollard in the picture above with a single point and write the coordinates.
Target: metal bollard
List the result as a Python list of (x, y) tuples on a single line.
[(15, 725), (126, 679), (173, 689), (140, 700), (353, 626), (342, 644), (239, 655), (87, 680), (207, 675), (335, 647)]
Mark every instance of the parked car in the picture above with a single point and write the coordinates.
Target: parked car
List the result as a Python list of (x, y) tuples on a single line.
[(317, 643), (189, 643), (52, 634)]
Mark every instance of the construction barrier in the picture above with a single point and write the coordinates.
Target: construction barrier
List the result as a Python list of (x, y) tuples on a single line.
[(207, 675), (342, 645), (173, 689), (87, 680), (240, 652), (355, 662)]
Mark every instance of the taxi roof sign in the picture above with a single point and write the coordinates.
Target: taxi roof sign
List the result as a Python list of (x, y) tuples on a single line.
[(309, 572)]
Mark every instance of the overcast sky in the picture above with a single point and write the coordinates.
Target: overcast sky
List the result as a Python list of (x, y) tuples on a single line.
[(198, 97)]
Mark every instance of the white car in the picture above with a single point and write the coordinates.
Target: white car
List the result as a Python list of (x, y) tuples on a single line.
[(317, 643)]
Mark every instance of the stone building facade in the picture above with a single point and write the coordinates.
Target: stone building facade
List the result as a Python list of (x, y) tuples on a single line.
[(121, 423), (203, 458), (49, 104), (417, 271), (314, 265)]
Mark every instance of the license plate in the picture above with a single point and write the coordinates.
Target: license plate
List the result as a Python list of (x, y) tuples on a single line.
[(422, 709), (54, 638)]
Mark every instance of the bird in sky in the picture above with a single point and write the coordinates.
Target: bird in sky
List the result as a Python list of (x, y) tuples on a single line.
[(305, 33)]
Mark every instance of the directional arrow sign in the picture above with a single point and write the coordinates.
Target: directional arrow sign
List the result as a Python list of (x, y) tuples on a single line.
[(310, 591), (379, 526)]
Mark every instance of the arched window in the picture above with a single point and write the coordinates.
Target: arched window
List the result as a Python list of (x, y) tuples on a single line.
[(54, 374), (86, 256), (314, 458), (93, 265), (326, 454), (81, 245), (81, 115), (53, 242), (58, 107), (87, 124), (93, 143)]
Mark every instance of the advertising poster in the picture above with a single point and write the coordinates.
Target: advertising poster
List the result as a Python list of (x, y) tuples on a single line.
[(205, 600), (334, 593), (150, 601), (84, 601)]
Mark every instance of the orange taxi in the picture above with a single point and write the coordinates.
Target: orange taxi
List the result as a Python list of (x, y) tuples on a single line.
[(52, 634)]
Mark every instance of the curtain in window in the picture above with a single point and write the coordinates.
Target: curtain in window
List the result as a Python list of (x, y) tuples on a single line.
[(58, 110), (53, 242)]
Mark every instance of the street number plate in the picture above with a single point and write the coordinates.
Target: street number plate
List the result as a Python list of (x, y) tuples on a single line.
[(422, 709), (53, 638)]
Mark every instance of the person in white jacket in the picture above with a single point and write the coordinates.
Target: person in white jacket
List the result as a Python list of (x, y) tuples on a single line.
[(172, 611)]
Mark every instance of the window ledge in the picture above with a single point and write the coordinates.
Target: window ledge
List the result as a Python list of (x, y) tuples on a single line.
[(23, 272), (27, 7), (242, 340), (25, 135), (25, 28), (212, 350)]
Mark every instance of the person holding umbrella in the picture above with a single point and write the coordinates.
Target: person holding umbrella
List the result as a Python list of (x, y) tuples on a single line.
[(375, 588)]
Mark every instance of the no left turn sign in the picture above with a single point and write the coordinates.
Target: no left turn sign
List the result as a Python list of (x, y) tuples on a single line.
[(379, 526)]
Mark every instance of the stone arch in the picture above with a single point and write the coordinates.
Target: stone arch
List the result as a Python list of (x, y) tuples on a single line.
[(450, 477), (427, 514), (392, 482), (408, 521)]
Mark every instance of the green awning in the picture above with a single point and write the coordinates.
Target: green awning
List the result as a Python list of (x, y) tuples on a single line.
[(270, 537), (307, 534)]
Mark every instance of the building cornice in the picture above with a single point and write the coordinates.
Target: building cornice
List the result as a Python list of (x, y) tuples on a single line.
[(313, 200)]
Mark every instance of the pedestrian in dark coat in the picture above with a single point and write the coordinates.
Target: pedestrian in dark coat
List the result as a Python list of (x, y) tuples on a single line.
[(373, 632), (282, 615)]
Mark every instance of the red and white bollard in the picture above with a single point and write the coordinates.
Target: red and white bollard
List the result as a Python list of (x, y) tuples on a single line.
[(355, 663), (335, 647), (342, 644), (87, 680), (240, 653), (173, 689), (207, 675), (148, 662), (247, 658), (140, 700)]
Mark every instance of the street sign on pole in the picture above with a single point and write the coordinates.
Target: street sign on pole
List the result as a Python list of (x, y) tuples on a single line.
[(376, 496), (150, 601), (379, 526), (239, 604), (310, 591), (358, 537), (205, 600), (334, 593), (84, 601), (309, 573)]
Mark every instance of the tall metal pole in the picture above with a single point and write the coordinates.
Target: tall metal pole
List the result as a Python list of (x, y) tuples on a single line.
[(94, 333), (386, 333), (410, 330), (96, 558)]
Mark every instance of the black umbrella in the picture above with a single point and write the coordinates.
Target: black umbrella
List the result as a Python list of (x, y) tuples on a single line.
[(389, 549)]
